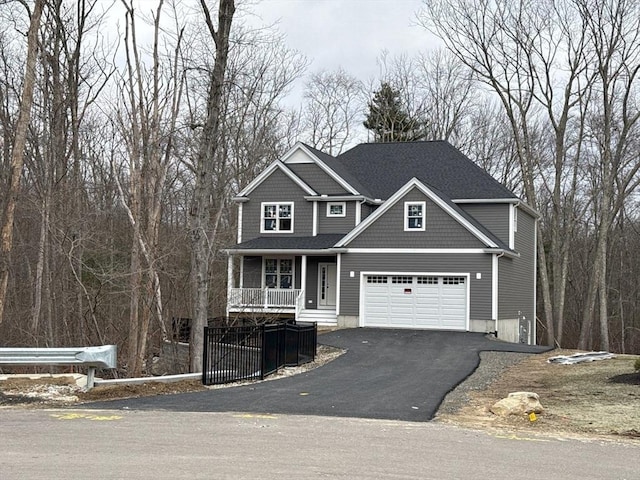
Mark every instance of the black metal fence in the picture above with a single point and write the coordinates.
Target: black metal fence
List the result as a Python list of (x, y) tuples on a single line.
[(234, 353)]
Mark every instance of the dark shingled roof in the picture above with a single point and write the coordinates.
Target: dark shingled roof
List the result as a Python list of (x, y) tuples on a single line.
[(319, 242), (382, 168), (340, 168)]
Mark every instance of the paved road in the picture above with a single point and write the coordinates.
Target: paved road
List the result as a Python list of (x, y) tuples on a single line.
[(385, 374), (108, 445)]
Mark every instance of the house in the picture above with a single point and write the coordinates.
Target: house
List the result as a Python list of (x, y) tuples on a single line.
[(399, 235)]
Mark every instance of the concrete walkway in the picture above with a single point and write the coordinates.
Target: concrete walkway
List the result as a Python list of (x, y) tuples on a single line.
[(385, 374)]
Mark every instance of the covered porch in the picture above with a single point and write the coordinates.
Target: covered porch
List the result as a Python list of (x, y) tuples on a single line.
[(301, 282)]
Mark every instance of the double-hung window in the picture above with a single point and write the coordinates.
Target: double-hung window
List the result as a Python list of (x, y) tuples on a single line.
[(278, 272), (414, 216), (277, 217)]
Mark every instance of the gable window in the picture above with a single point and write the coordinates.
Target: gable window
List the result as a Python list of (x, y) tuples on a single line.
[(336, 209), (278, 272), (277, 217), (414, 216)]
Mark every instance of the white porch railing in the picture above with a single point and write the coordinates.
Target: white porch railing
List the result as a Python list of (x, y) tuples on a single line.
[(264, 297)]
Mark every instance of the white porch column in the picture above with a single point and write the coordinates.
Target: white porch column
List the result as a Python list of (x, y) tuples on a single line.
[(315, 219), (239, 222), (229, 280), (303, 280)]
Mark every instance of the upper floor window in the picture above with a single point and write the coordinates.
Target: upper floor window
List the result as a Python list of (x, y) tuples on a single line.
[(336, 209), (414, 216), (277, 217)]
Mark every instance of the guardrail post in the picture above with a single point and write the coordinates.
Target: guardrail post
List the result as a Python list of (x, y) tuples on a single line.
[(91, 376)]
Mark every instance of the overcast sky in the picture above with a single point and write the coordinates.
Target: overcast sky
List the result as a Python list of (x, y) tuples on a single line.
[(351, 34), (348, 33)]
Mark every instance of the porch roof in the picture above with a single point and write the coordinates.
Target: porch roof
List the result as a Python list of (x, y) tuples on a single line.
[(319, 243)]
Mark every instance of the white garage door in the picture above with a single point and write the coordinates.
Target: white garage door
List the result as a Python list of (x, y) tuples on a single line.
[(418, 301)]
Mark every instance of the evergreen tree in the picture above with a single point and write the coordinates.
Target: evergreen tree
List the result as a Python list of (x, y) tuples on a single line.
[(388, 119)]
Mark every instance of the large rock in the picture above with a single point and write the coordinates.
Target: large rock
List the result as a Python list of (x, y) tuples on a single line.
[(517, 403)]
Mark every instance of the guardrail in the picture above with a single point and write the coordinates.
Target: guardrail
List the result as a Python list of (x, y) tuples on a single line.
[(104, 356)]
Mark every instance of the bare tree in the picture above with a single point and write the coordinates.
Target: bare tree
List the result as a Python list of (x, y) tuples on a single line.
[(200, 213), (17, 155), (332, 107), (613, 34), (518, 50), (152, 101)]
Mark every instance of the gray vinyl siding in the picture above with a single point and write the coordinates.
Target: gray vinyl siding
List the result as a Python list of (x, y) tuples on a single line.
[(278, 187), (516, 276), (317, 178), (480, 290), (297, 272), (311, 290), (252, 272), (442, 231), (494, 216), (336, 224), (367, 210)]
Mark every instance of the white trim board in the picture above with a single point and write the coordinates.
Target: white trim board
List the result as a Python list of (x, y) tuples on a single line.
[(396, 197), (277, 164)]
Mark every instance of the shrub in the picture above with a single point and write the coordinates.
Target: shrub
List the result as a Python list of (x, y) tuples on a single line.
[(637, 364)]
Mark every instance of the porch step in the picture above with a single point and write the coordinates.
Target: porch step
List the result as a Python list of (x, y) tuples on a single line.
[(321, 317)]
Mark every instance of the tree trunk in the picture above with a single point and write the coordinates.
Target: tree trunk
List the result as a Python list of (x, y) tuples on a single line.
[(17, 154), (201, 208)]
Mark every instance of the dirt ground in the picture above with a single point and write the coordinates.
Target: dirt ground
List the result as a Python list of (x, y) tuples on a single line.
[(597, 399), (600, 398)]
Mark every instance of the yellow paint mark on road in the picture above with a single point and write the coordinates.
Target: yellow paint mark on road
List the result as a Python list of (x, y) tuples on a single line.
[(86, 416), (251, 415), (304, 394)]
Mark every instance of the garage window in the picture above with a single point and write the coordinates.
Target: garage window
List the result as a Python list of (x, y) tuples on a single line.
[(453, 280), (427, 280), (376, 279), (404, 280), (414, 213)]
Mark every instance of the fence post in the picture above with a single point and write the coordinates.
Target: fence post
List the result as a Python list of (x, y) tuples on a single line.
[(205, 356), (263, 345)]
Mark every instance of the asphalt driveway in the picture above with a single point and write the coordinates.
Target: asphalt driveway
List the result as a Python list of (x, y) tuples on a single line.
[(385, 374)]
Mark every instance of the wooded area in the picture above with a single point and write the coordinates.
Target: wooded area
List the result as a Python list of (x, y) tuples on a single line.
[(120, 153)]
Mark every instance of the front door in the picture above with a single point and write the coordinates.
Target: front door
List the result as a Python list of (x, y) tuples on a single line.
[(327, 285)]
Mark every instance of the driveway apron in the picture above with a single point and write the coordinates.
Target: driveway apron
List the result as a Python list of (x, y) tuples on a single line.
[(385, 374)]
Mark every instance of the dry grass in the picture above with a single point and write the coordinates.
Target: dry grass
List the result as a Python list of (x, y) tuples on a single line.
[(597, 398)]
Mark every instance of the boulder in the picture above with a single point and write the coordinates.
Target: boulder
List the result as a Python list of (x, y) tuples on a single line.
[(517, 403)]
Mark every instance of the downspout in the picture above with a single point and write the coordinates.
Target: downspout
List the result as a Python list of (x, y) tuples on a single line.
[(495, 291)]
